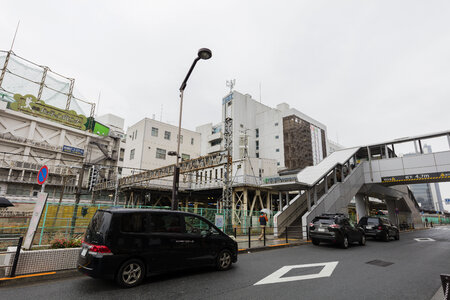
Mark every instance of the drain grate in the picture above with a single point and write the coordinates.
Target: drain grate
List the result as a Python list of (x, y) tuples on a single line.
[(379, 263)]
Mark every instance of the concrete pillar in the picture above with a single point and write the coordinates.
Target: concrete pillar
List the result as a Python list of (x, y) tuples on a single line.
[(280, 202), (315, 194), (391, 205), (308, 199), (287, 198), (233, 208), (361, 208), (245, 208), (415, 146)]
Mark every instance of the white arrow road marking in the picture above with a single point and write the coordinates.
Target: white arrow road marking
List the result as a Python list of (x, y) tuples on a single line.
[(424, 240), (275, 277)]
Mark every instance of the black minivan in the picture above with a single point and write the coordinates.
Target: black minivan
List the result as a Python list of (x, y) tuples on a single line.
[(127, 245)]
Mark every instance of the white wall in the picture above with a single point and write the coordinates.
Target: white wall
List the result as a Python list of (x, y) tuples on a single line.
[(139, 138)]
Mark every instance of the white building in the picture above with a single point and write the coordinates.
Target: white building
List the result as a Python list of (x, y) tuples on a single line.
[(149, 141), (284, 134)]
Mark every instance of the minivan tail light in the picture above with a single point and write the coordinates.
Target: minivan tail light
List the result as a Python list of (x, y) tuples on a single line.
[(380, 227), (311, 224), (335, 226), (99, 249)]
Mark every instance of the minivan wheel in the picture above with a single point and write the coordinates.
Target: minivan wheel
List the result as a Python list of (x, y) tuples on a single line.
[(223, 261), (345, 242), (315, 242), (386, 237), (397, 236), (131, 273), (362, 242)]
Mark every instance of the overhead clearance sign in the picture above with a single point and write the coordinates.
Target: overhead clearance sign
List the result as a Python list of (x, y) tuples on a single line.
[(416, 177)]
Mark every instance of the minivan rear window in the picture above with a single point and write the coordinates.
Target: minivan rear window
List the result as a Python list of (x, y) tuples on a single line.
[(323, 221), (372, 221), (98, 227)]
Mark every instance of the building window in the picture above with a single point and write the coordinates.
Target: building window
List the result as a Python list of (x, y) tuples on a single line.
[(257, 132), (257, 145), (154, 131), (216, 173), (221, 173), (278, 163), (276, 124), (242, 125), (185, 157), (257, 154), (122, 154), (160, 153), (167, 135), (277, 137), (192, 141), (277, 150), (135, 136), (132, 154)]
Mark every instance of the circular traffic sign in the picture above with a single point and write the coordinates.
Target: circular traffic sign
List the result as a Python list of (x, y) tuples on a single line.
[(42, 175)]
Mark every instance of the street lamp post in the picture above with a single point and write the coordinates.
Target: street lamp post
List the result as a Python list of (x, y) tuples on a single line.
[(203, 53)]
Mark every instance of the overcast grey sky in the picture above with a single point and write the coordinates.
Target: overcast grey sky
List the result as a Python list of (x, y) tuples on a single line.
[(369, 70)]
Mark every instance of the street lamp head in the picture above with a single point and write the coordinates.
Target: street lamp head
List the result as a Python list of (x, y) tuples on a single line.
[(204, 53)]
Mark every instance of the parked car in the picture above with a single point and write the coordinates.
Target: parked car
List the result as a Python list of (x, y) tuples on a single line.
[(127, 245), (335, 228), (379, 227)]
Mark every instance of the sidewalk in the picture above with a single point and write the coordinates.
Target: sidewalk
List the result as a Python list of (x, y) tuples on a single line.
[(271, 242)]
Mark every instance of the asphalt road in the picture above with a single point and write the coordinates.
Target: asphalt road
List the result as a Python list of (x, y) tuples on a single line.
[(413, 274)]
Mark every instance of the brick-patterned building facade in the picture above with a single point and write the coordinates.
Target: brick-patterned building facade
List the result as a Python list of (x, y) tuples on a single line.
[(298, 143)]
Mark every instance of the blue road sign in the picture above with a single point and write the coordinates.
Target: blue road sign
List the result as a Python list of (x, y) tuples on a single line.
[(42, 175)]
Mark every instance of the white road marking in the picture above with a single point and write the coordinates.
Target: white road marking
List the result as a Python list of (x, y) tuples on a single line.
[(275, 277), (424, 240)]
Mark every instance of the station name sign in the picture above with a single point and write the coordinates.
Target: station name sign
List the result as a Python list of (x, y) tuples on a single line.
[(416, 177), (273, 180)]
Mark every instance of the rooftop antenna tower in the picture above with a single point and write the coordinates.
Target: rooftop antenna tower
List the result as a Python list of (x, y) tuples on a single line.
[(231, 83)]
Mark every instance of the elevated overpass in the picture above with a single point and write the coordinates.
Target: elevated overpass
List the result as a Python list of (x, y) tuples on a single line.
[(362, 172)]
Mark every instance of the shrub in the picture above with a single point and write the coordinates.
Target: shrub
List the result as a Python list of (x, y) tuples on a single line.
[(65, 243)]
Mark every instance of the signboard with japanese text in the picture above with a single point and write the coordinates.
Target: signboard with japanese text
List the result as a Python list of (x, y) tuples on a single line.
[(417, 177), (73, 150)]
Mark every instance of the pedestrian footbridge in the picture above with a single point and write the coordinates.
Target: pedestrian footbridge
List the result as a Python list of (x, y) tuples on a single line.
[(362, 172)]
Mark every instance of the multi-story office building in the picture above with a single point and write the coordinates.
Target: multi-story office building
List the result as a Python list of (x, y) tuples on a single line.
[(293, 139), (149, 141)]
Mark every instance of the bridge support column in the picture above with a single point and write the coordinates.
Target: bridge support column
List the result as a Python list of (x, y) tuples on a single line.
[(287, 198), (391, 206), (361, 207)]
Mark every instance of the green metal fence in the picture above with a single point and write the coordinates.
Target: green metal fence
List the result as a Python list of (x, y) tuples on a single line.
[(57, 220), (436, 219)]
